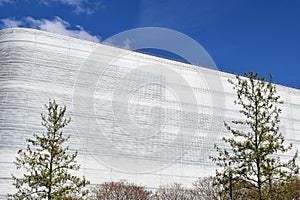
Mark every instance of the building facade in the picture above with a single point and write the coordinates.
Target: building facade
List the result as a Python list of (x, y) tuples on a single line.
[(135, 117)]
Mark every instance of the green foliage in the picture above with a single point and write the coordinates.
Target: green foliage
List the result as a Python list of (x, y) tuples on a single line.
[(249, 165), (286, 190), (47, 162)]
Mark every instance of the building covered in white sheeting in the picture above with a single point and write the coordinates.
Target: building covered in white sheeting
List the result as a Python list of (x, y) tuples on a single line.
[(135, 117)]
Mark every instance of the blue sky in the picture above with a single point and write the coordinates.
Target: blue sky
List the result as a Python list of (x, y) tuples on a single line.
[(240, 35)]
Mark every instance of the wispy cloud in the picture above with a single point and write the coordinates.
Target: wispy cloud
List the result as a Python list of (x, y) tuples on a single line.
[(10, 22), (82, 6), (2, 2), (78, 6), (57, 25)]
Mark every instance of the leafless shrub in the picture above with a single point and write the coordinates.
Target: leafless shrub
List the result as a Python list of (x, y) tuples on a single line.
[(174, 192), (119, 190), (205, 189)]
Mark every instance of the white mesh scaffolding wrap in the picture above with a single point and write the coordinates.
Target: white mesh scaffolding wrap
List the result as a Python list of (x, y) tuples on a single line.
[(37, 65)]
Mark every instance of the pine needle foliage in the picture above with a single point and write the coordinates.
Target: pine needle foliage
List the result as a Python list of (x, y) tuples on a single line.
[(250, 167), (47, 162)]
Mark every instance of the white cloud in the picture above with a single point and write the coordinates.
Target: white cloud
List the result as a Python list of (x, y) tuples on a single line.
[(57, 25), (9, 23)]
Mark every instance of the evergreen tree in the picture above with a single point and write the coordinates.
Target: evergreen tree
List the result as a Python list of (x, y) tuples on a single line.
[(249, 165), (47, 162)]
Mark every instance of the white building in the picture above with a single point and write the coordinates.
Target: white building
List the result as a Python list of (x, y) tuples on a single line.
[(145, 119)]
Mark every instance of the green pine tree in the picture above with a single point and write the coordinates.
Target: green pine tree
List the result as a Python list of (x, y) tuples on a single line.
[(48, 163), (249, 167)]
